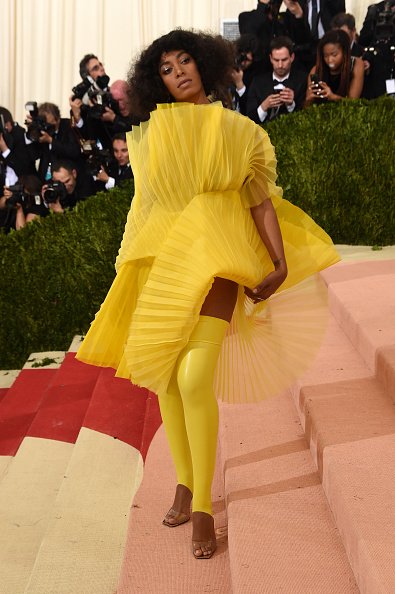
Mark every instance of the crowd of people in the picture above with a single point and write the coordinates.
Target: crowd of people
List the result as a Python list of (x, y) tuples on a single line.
[(55, 162), (284, 61), (311, 53)]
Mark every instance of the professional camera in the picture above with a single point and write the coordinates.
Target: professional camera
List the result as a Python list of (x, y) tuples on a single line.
[(240, 58), (19, 196), (97, 160), (38, 123), (385, 23), (55, 190), (101, 97), (81, 89)]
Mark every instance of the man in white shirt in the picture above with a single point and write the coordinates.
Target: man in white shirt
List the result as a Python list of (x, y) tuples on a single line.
[(280, 91)]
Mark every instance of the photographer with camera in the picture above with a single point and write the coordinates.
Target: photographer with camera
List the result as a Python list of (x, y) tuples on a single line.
[(280, 92), (336, 74), (248, 64), (378, 38), (99, 111), (24, 202), (8, 179), (119, 168), (66, 187), (50, 137), (13, 148)]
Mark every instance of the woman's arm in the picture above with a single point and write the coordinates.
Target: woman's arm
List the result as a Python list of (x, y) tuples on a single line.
[(358, 75), (266, 222)]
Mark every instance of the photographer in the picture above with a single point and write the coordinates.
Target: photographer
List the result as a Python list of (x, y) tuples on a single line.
[(74, 186), (280, 92), (378, 38), (8, 178), (119, 169), (98, 111), (23, 201), (50, 137), (13, 148), (248, 64)]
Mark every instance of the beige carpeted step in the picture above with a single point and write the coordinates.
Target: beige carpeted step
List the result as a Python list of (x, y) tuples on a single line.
[(36, 471), (27, 494), (82, 548)]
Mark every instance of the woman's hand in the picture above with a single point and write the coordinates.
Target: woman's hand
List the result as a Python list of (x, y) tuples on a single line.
[(310, 94), (325, 91), (269, 285)]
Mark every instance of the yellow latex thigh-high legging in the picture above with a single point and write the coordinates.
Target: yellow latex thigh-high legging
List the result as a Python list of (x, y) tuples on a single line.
[(190, 411)]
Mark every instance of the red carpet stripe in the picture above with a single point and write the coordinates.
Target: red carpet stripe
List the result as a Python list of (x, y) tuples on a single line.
[(3, 392), (19, 406), (152, 422), (65, 402), (123, 411)]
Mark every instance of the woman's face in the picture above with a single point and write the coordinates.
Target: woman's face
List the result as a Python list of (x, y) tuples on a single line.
[(333, 56), (181, 77)]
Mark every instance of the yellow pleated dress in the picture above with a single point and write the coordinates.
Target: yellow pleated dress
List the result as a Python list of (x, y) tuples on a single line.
[(198, 169)]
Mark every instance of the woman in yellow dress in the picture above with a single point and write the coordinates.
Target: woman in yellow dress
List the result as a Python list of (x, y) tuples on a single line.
[(207, 242)]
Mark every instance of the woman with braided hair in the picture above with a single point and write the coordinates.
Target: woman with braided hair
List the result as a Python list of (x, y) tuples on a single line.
[(207, 242)]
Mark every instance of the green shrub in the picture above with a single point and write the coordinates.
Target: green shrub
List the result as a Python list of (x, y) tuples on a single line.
[(336, 162), (55, 272)]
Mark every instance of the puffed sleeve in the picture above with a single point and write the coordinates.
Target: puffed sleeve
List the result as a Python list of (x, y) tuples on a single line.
[(260, 181)]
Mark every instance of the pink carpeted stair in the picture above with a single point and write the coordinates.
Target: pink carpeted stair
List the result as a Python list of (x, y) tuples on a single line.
[(308, 489), (303, 492), (346, 404)]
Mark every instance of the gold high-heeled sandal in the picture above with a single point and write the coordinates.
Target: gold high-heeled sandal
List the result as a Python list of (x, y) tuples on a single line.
[(178, 517), (209, 544)]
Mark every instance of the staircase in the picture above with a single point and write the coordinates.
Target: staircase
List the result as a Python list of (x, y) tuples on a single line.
[(72, 440), (303, 493)]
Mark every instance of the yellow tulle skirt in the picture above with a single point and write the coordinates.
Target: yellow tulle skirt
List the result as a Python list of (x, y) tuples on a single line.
[(178, 238)]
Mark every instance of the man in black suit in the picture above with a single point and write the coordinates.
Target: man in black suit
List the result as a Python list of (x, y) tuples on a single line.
[(267, 22), (378, 36), (58, 142), (280, 92), (13, 147), (77, 185), (346, 22), (317, 16), (249, 63), (119, 169)]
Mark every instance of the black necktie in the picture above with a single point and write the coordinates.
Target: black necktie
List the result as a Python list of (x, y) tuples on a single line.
[(314, 19), (278, 82)]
